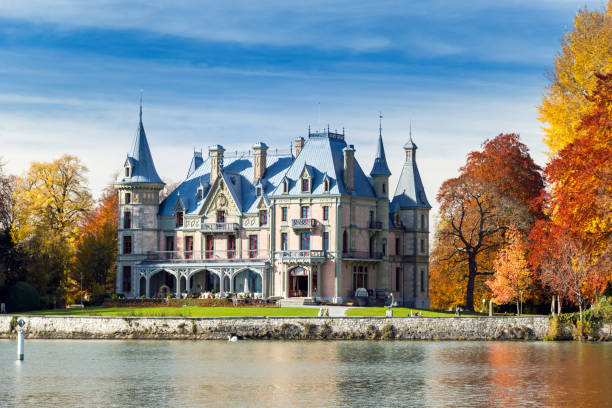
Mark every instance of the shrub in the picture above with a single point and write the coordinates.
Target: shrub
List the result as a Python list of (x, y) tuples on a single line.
[(387, 332), (21, 297)]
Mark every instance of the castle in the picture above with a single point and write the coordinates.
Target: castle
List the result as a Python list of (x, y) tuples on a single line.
[(306, 223)]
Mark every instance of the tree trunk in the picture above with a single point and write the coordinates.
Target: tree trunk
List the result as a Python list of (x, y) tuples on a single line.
[(518, 311), (558, 305), (552, 306), (469, 295), (580, 329)]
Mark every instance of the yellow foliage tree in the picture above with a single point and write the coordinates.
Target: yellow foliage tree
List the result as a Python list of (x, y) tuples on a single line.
[(584, 51), (50, 201)]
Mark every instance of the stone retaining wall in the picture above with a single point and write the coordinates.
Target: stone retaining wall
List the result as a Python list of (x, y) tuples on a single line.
[(415, 328)]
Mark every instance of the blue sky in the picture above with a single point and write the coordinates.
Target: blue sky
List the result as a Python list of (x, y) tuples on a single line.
[(239, 72)]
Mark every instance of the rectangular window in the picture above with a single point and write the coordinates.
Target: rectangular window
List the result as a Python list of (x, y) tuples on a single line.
[(284, 243), (305, 241), (325, 212), (179, 219), (210, 247), (304, 212), (127, 279), (423, 221), (326, 241), (252, 246), (127, 244), (127, 172), (283, 213), (231, 246), (263, 217), (188, 247), (397, 278), (170, 247), (422, 245), (220, 216), (200, 193), (398, 248), (128, 198), (305, 185), (127, 220)]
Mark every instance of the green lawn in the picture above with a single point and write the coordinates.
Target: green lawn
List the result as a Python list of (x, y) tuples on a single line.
[(185, 311), (399, 312)]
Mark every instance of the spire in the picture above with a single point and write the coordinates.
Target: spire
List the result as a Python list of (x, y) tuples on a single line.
[(410, 191), (141, 161), (380, 167)]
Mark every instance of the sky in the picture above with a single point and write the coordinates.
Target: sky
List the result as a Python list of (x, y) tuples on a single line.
[(235, 73)]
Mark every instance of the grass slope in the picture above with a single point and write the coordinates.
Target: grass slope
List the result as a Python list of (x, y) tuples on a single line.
[(399, 312)]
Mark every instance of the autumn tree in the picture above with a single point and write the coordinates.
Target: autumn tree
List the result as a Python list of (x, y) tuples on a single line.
[(50, 202), (9, 256), (512, 277), (496, 188), (585, 50), (96, 247)]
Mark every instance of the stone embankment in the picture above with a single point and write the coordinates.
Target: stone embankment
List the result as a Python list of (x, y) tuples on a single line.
[(303, 328)]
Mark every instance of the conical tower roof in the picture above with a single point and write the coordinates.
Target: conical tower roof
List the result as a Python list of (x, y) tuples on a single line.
[(410, 191), (380, 166), (141, 160)]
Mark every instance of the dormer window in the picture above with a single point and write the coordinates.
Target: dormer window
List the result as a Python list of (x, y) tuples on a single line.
[(285, 186), (326, 185), (200, 193), (127, 171), (258, 191), (305, 185), (179, 219), (221, 216)]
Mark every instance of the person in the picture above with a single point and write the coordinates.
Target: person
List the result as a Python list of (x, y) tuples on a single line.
[(320, 312), (326, 312)]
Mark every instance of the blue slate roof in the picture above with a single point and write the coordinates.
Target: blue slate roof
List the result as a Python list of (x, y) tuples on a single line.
[(322, 153), (380, 161), (321, 156), (140, 160), (410, 191)]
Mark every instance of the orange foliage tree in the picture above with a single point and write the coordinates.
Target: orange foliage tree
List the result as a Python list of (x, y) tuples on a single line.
[(499, 186), (96, 247), (512, 278), (580, 206)]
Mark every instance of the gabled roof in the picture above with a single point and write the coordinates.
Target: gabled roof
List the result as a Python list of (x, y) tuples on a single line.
[(380, 167), (410, 191), (141, 161)]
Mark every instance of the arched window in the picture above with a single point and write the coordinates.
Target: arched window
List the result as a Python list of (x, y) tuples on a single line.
[(285, 186), (326, 185)]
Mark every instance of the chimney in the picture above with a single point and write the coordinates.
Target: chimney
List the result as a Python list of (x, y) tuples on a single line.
[(259, 161), (215, 153), (349, 165), (299, 143)]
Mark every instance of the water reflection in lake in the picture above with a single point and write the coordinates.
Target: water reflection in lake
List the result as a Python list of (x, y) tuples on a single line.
[(292, 374)]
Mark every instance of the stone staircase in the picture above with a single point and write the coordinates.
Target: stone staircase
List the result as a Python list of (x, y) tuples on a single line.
[(297, 301)]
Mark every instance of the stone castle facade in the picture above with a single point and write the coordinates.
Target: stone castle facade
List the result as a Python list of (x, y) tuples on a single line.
[(307, 223)]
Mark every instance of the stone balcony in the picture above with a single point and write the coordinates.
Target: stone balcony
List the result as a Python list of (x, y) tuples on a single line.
[(303, 223), (207, 256), (375, 225), (362, 255), (301, 256), (219, 227)]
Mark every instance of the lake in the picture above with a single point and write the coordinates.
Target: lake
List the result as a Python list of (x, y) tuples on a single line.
[(118, 373)]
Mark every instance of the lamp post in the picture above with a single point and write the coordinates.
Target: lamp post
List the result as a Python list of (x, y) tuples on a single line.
[(81, 288), (483, 306)]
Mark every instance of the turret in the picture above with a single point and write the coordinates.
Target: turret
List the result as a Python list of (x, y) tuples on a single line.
[(411, 210), (380, 170), (138, 187)]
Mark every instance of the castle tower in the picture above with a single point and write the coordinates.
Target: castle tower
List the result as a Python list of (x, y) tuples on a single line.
[(411, 203), (138, 187), (380, 225)]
